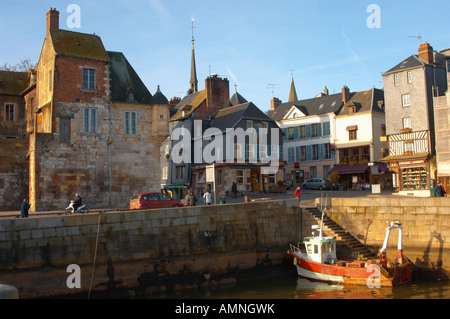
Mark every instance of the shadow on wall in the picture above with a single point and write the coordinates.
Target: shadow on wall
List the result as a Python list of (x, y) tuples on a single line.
[(426, 267)]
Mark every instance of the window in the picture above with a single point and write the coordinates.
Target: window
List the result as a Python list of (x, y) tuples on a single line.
[(405, 100), (409, 75), (315, 152), (249, 124), (326, 169), (219, 177), (406, 122), (313, 171), (290, 133), (396, 79), (352, 135), (408, 147), (90, 120), (315, 130), (10, 115), (239, 176), (50, 80), (303, 153), (237, 151), (130, 123), (326, 129), (351, 109), (88, 79), (64, 130), (327, 151), (180, 172), (291, 158), (303, 131)]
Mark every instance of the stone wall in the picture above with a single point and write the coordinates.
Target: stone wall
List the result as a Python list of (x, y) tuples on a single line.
[(426, 225), (145, 250)]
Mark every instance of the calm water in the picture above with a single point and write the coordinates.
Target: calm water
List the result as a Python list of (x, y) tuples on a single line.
[(290, 286)]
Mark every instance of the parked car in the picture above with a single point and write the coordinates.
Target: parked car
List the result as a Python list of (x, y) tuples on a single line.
[(316, 183), (153, 200)]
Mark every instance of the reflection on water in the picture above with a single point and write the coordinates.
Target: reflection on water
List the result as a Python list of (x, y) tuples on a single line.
[(290, 286)]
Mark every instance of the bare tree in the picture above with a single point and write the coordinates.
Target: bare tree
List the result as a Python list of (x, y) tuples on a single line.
[(22, 66)]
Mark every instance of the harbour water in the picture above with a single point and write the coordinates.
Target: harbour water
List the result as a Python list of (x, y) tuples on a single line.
[(287, 285)]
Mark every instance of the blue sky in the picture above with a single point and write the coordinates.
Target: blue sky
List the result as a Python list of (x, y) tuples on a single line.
[(252, 43)]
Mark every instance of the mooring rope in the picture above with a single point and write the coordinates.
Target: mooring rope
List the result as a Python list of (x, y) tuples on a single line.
[(95, 256)]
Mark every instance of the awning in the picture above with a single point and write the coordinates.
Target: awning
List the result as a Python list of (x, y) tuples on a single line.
[(356, 168), (406, 157)]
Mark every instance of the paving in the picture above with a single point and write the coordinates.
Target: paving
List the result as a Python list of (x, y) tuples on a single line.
[(308, 198)]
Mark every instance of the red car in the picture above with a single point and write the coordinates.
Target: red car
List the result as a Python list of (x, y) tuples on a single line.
[(153, 200)]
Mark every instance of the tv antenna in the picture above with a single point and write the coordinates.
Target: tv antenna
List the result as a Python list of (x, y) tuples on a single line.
[(272, 86), (419, 37)]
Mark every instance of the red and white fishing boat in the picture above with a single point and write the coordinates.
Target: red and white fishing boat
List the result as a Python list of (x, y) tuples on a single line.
[(318, 261)]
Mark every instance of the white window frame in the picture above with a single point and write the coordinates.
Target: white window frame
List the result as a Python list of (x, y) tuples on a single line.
[(406, 122), (395, 79), (7, 117), (90, 120), (90, 80), (409, 77), (130, 123), (239, 176), (405, 100)]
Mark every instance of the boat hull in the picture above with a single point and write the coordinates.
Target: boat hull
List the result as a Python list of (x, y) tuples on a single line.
[(354, 273)]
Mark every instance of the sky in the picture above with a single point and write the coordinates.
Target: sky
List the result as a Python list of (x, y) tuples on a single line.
[(259, 46)]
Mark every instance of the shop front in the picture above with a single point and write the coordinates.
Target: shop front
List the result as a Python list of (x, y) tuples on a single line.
[(411, 174), (361, 176)]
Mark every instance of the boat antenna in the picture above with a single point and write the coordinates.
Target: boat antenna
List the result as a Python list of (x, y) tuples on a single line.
[(323, 212)]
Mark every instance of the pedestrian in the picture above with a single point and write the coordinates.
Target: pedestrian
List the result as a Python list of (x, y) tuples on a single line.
[(439, 191), (297, 194), (24, 209), (207, 198), (234, 189), (190, 199)]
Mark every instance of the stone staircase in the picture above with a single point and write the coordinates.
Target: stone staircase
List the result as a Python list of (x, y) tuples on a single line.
[(333, 229)]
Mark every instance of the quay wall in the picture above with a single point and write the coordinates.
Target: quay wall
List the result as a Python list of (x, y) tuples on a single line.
[(426, 225), (146, 250)]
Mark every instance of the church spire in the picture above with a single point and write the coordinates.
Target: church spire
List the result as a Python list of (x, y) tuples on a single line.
[(193, 82), (292, 93)]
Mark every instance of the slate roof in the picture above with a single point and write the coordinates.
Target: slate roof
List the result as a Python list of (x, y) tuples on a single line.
[(78, 44), (411, 62), (194, 100), (230, 116), (237, 99), (13, 83), (365, 101), (315, 106), (159, 98), (123, 78)]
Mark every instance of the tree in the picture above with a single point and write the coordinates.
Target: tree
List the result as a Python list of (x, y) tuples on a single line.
[(22, 66)]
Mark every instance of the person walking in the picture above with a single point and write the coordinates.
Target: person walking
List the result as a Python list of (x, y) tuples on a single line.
[(439, 191), (234, 189), (297, 194), (24, 209), (207, 198)]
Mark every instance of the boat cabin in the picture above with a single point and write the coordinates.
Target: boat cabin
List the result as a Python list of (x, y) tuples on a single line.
[(321, 249)]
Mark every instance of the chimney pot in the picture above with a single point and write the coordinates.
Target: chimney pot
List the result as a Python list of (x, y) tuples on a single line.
[(426, 53)]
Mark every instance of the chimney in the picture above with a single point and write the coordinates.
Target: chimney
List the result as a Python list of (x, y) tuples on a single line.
[(345, 94), (274, 103), (52, 20), (325, 91), (426, 53)]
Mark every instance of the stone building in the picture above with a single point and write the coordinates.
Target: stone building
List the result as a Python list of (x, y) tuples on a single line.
[(442, 128), (95, 129), (409, 88), (13, 141)]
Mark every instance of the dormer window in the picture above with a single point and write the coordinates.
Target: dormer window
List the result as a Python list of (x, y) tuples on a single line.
[(352, 109)]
